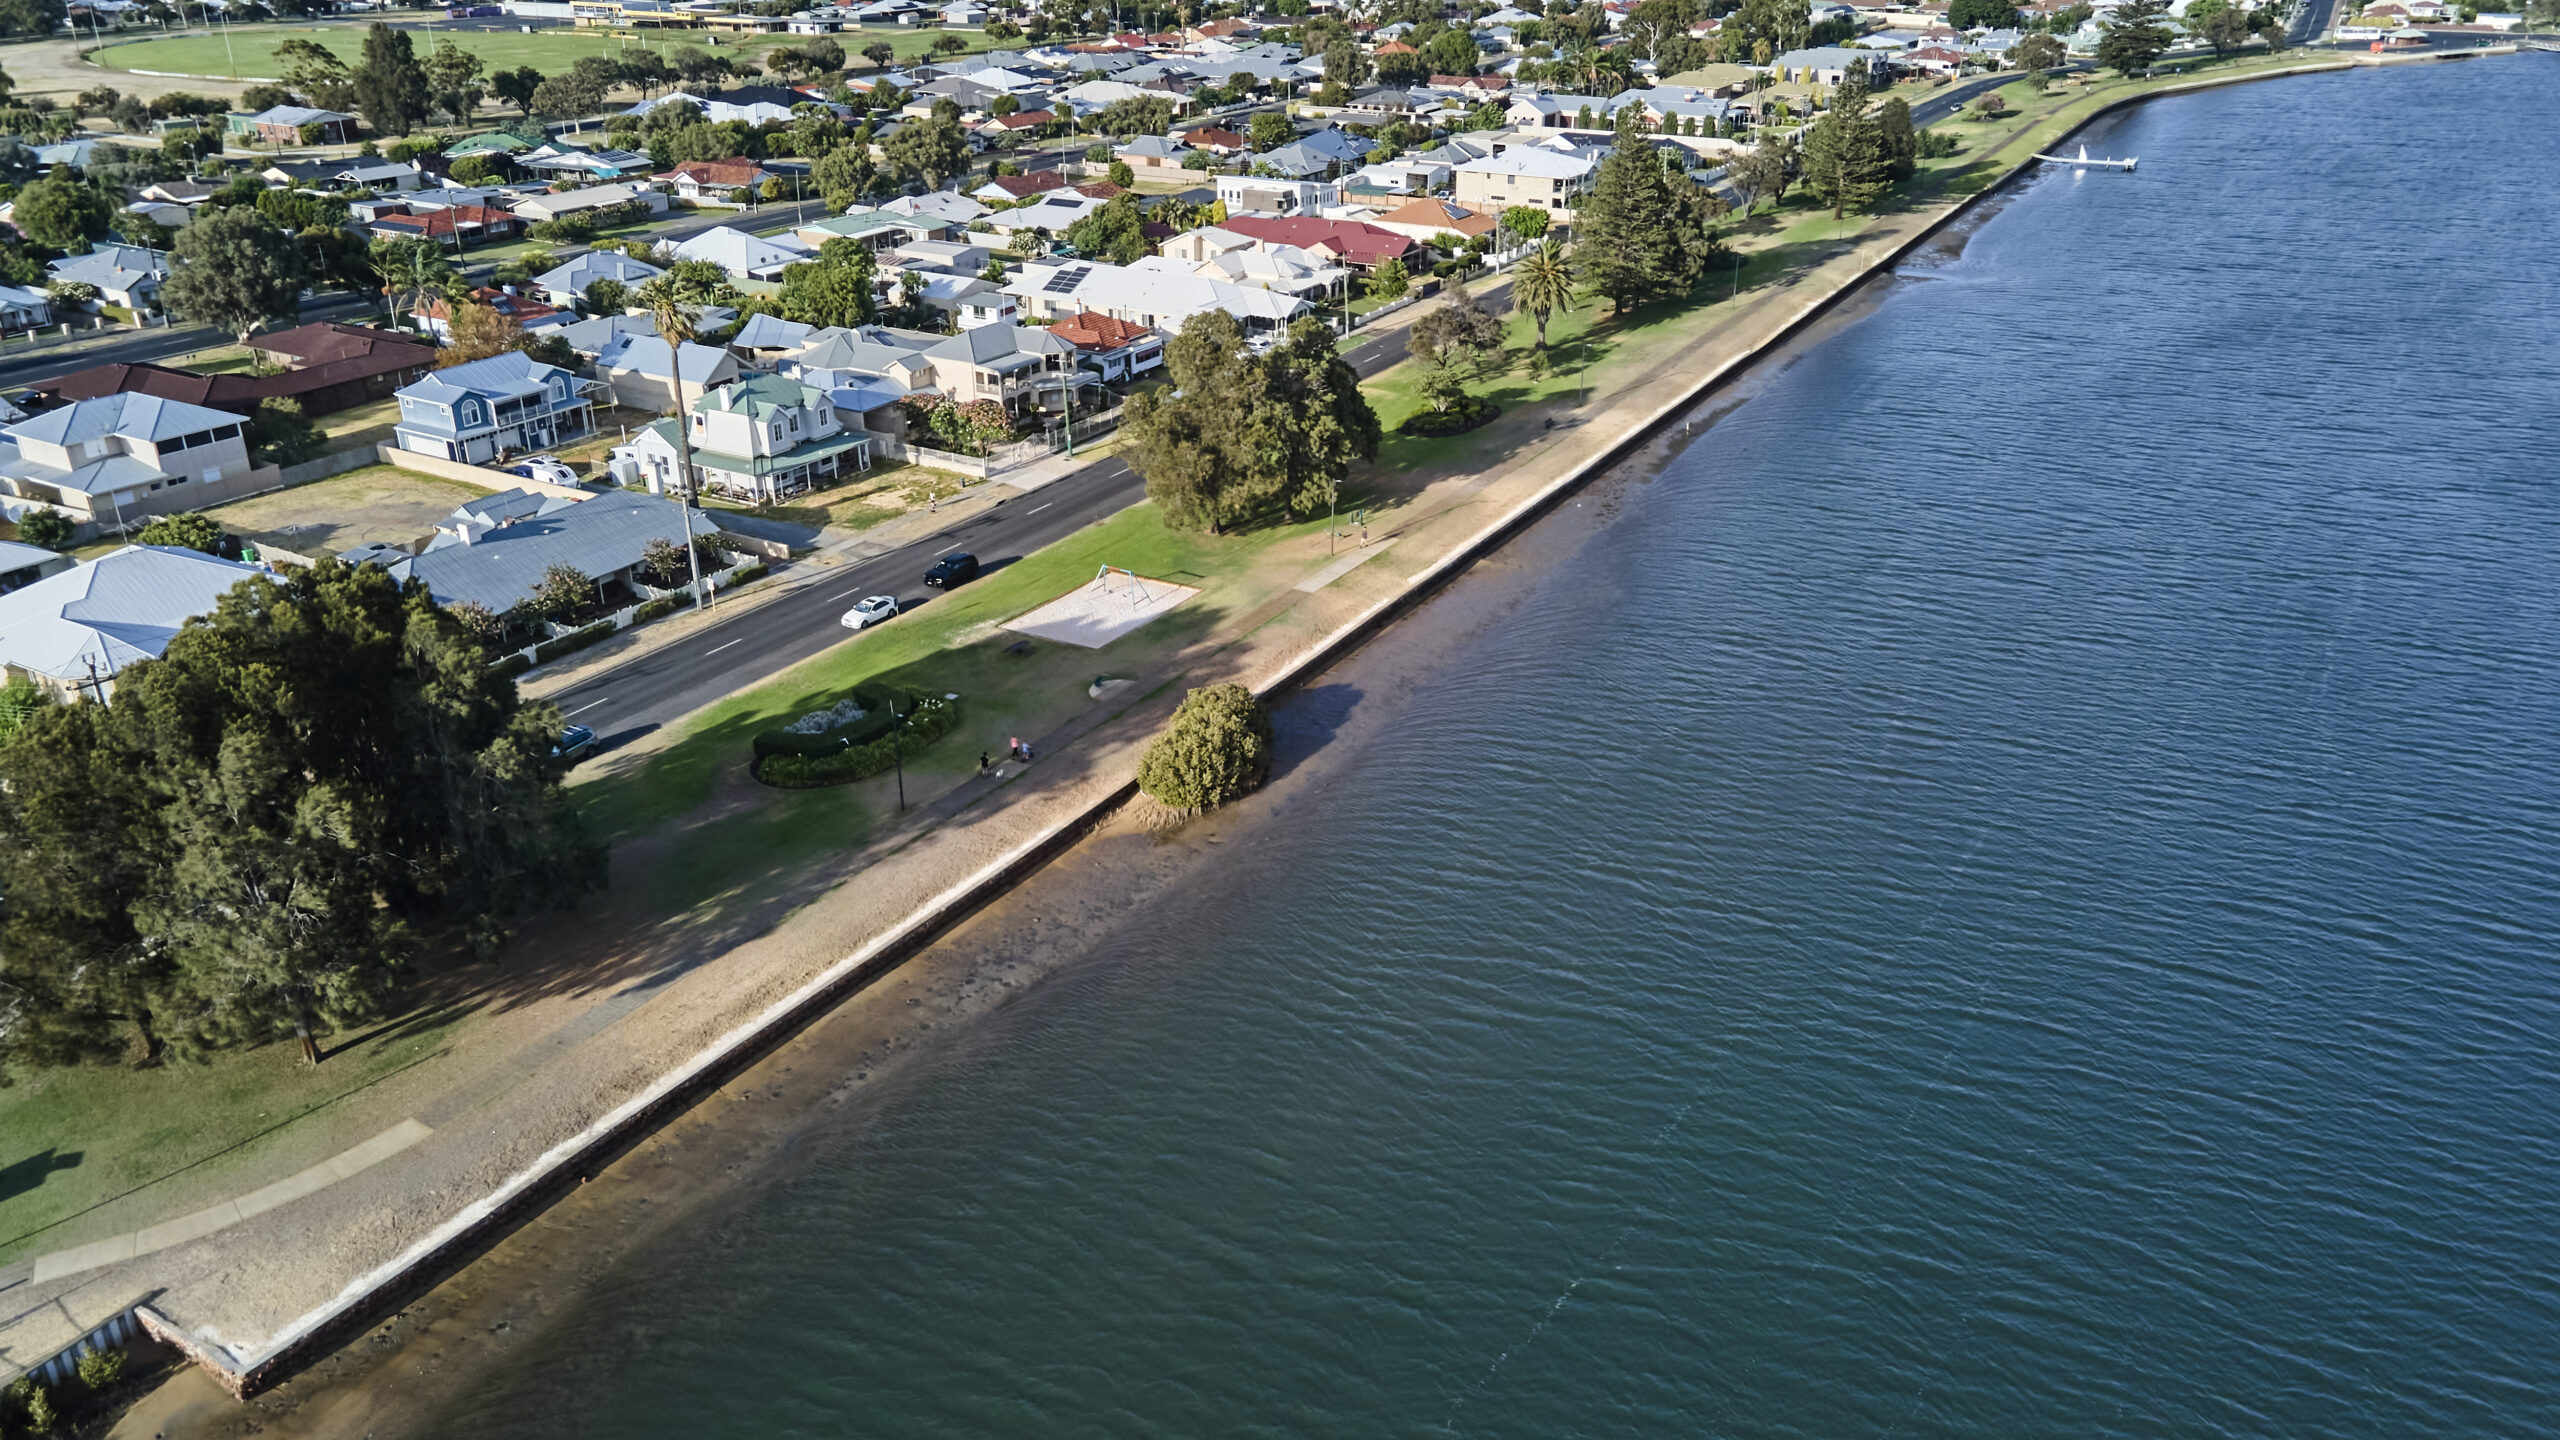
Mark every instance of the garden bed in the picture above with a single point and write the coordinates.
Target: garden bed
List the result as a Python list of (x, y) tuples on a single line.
[(1437, 424), (858, 748)]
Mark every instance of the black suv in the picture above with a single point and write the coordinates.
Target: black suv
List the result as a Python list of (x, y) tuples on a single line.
[(952, 570)]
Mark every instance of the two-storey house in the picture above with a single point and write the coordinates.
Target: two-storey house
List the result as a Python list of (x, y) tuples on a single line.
[(480, 411), (760, 439), (118, 459)]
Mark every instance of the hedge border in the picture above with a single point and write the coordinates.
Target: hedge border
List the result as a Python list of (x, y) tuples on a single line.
[(934, 718), (1419, 426)]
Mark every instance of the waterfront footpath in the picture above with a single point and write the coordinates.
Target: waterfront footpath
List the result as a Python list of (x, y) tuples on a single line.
[(558, 1080)]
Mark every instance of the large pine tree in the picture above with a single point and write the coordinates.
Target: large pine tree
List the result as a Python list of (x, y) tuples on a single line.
[(390, 86), (2134, 37), (1628, 251), (1846, 158)]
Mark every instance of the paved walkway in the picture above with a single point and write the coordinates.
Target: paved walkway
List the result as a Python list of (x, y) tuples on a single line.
[(230, 1212)]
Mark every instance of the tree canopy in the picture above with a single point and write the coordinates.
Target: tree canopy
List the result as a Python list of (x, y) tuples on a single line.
[(1236, 433), (255, 833), (1216, 748), (237, 271), (1845, 155), (2133, 37)]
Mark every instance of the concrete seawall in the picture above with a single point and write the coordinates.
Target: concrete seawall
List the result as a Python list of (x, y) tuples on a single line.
[(449, 1246)]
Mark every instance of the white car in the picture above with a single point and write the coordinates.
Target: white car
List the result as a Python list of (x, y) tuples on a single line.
[(869, 612), (546, 469)]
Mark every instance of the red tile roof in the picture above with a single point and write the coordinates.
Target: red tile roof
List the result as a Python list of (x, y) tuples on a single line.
[(1353, 240), (515, 307), (1211, 137), (1456, 219), (1023, 187), (1100, 190), (1087, 330), (1024, 119)]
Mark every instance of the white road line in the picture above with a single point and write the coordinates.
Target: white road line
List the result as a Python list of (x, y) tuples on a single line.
[(856, 590), (716, 649), (583, 709), (1036, 509)]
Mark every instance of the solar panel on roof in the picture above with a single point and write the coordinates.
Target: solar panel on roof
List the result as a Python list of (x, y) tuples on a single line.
[(1065, 281)]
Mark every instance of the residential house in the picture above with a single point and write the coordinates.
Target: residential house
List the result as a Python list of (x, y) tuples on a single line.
[(876, 229), (1020, 122), (284, 124), (1525, 175), (120, 459), (592, 337), (1357, 245), (1282, 268), (486, 409), (435, 313), (950, 208), (836, 357), (1823, 64), (1428, 218), (1009, 188), (325, 368), (1152, 152), (1116, 350), (1531, 111), (1300, 161), (723, 182), (495, 550), (1055, 290), (754, 104), (22, 565), (575, 162), (70, 632), (762, 439), (764, 340), (1015, 366), (945, 256), (744, 256), (1263, 195), (641, 375), (1050, 215), (125, 275), (594, 197), (22, 308), (455, 225), (1217, 141), (566, 285)]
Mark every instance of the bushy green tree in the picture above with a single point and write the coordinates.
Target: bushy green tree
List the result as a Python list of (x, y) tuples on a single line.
[(64, 212), (1216, 749), (931, 150), (1458, 342), (834, 289), (236, 272), (186, 530), (281, 433), (1310, 421), (249, 839), (47, 528), (453, 80)]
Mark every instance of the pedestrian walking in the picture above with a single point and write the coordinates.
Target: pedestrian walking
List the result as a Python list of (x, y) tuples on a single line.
[(983, 762)]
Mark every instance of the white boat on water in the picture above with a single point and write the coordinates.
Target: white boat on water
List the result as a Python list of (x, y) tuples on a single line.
[(2086, 161)]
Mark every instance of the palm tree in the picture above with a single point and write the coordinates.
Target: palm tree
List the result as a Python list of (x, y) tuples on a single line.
[(671, 302), (1543, 285)]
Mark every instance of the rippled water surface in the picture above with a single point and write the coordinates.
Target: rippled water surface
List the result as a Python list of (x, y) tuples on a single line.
[(2008, 893)]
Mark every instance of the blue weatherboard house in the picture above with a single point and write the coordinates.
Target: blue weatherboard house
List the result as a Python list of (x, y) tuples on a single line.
[(476, 412)]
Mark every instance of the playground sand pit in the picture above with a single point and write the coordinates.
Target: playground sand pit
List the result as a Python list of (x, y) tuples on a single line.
[(1093, 615)]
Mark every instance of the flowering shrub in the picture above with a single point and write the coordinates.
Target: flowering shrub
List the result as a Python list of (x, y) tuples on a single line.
[(962, 429)]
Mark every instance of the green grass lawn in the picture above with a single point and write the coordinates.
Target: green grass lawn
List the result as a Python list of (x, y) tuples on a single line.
[(249, 52), (948, 645), (83, 1136)]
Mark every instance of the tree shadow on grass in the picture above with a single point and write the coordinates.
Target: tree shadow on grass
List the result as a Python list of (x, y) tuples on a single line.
[(690, 889)]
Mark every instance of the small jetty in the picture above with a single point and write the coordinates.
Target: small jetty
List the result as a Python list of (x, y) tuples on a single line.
[(2086, 161)]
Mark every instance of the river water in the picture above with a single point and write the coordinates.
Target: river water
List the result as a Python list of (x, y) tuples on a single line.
[(2008, 891)]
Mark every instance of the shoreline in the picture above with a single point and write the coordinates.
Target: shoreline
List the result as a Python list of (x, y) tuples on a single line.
[(675, 1093)]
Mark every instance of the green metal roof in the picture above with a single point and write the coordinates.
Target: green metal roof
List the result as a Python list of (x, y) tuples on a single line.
[(760, 397), (793, 458)]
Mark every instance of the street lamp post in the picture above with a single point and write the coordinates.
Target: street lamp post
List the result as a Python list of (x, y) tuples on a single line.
[(898, 753)]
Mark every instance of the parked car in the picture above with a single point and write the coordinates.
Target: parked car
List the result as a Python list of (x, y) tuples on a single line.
[(871, 611), (545, 469), (574, 741), (952, 570)]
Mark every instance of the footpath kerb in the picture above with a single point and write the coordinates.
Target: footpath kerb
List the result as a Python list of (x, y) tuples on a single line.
[(429, 1260)]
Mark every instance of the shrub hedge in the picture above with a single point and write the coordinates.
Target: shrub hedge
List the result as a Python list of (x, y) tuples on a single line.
[(874, 700), (515, 663), (655, 608), (571, 643), (934, 718)]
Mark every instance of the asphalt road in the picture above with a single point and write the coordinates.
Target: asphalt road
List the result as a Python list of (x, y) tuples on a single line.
[(636, 697)]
